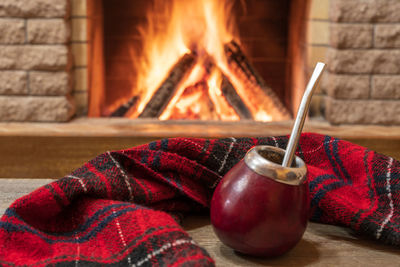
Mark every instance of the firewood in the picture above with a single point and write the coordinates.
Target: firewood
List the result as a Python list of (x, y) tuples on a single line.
[(259, 96), (234, 99), (168, 87), (124, 108), (206, 108)]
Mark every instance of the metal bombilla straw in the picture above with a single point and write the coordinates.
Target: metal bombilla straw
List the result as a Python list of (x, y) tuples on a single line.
[(301, 115)]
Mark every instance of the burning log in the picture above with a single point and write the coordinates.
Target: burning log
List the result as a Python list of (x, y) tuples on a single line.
[(258, 94), (234, 99), (196, 104), (167, 89), (123, 109)]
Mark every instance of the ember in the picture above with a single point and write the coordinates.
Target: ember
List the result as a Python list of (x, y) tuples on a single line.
[(192, 67)]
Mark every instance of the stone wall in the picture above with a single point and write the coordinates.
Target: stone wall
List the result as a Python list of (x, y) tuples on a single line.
[(363, 85), (35, 61)]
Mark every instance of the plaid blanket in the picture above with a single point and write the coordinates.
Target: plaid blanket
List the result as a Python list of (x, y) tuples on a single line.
[(122, 207)]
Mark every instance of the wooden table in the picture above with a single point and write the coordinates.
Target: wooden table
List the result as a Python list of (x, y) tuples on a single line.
[(322, 245)]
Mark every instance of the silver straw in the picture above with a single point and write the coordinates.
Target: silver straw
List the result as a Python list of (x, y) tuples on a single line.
[(301, 115)]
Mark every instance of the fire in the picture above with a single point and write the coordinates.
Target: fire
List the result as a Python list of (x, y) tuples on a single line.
[(200, 97), (201, 27)]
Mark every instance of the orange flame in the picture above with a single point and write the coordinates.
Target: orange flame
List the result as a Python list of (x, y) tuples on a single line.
[(176, 27)]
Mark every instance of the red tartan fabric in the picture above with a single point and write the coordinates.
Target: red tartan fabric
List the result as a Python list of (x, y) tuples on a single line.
[(116, 209)]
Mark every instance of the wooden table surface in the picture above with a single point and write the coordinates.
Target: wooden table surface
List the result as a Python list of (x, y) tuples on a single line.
[(322, 245)]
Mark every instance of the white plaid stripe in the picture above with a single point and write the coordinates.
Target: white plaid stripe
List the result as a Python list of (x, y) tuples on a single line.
[(161, 250), (389, 194), (226, 155), (123, 173)]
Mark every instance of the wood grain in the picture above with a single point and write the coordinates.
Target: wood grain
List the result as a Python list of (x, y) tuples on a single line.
[(55, 157), (322, 245), (11, 189), (123, 127), (37, 150)]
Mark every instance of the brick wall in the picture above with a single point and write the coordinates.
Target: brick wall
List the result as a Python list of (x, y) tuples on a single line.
[(35, 80), (363, 85)]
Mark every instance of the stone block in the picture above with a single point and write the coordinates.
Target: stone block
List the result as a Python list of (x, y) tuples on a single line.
[(319, 10), (386, 10), (80, 79), (318, 32), (34, 8), (12, 31), (348, 86), (315, 53), (13, 83), (81, 101), (387, 36), (385, 87), (316, 106), (78, 8), (29, 108), (79, 30), (363, 61), (79, 52), (48, 31), (365, 11), (34, 57), (351, 11), (383, 112), (351, 35), (49, 83), (323, 84)]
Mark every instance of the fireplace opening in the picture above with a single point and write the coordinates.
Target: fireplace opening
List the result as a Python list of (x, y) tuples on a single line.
[(198, 59)]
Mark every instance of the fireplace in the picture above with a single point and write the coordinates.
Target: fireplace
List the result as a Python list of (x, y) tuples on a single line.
[(209, 60), (46, 54)]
